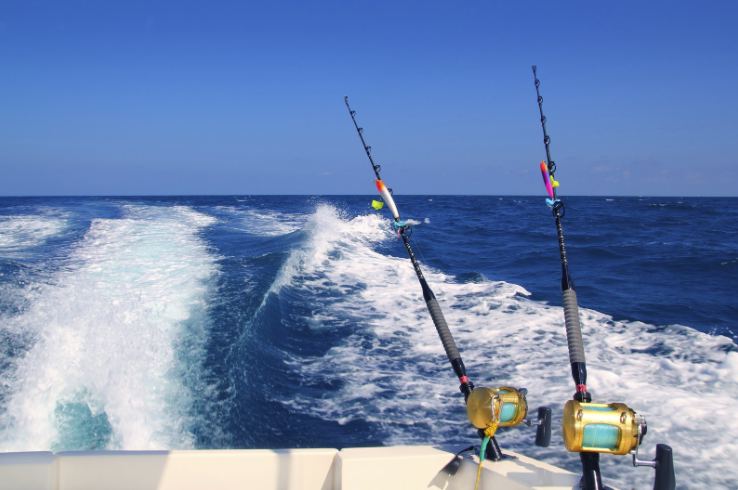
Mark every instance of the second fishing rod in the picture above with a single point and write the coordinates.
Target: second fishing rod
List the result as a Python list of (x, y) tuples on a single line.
[(487, 408), (589, 428)]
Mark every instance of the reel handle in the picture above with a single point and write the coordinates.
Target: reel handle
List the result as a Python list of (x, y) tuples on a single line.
[(543, 431), (665, 478), (663, 464)]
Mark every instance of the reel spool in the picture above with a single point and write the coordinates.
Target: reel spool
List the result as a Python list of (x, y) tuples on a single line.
[(507, 406), (602, 428)]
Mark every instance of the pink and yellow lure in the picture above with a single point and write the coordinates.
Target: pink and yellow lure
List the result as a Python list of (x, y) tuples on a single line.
[(547, 179), (550, 183)]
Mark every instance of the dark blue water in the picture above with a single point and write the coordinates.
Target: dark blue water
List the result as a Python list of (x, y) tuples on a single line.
[(297, 321)]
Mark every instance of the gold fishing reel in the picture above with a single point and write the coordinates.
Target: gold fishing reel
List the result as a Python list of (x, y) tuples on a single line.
[(502, 407), (602, 428)]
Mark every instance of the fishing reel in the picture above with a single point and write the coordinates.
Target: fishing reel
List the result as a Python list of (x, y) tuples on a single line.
[(501, 407), (489, 409), (602, 428), (615, 429)]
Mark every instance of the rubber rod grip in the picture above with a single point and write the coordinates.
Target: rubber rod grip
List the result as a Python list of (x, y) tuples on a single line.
[(573, 328), (442, 327)]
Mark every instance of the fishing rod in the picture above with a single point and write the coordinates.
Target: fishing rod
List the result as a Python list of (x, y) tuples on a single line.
[(593, 428), (487, 408)]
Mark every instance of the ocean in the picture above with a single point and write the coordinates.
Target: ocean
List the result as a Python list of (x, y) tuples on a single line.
[(297, 321)]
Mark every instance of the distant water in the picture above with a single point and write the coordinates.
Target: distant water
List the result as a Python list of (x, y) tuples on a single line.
[(277, 321)]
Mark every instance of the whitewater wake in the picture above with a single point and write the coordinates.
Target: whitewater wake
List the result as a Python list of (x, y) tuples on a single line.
[(18, 233), (262, 222), (394, 372), (111, 341), (106, 349)]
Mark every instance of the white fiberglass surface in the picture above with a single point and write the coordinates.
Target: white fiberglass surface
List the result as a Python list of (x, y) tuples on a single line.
[(112, 339)]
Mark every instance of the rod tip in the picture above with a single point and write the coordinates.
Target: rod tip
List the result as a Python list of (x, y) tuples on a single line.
[(345, 97)]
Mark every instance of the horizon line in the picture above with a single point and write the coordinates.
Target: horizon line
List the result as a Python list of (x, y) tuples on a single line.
[(358, 195)]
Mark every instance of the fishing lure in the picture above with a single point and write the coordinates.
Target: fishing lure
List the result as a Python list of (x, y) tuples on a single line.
[(550, 184)]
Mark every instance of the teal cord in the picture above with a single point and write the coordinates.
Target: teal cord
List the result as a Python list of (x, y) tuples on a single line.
[(483, 449)]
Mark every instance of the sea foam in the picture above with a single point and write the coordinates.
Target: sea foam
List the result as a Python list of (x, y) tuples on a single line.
[(112, 340), (395, 375), (21, 232), (263, 222)]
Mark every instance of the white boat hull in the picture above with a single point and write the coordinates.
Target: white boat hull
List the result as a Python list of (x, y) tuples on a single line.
[(385, 468)]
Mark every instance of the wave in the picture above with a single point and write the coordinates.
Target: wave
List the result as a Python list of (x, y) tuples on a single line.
[(113, 339), (18, 233), (394, 374), (262, 222), (107, 347)]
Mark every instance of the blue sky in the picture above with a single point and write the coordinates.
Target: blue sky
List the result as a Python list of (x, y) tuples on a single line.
[(165, 98)]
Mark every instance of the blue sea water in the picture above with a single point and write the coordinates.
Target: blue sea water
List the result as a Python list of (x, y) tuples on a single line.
[(297, 321)]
